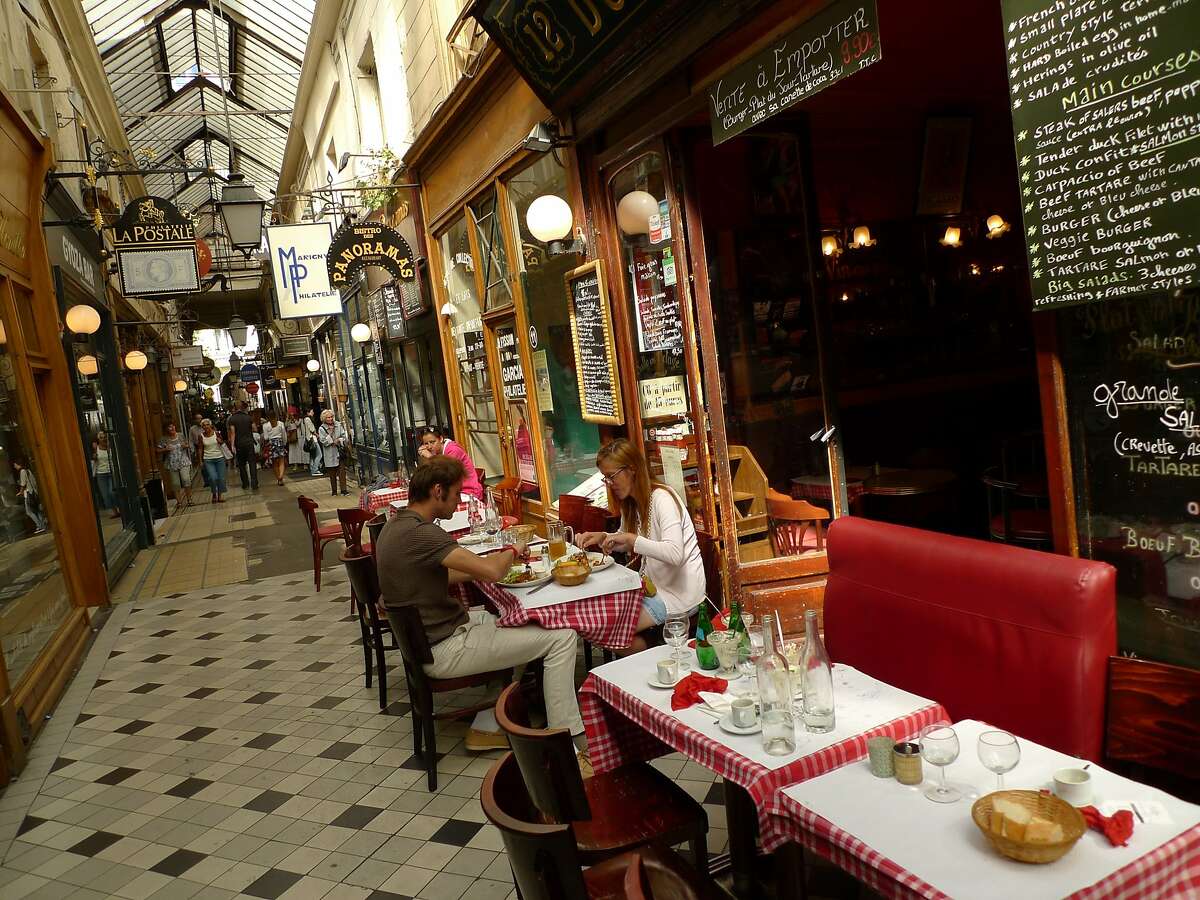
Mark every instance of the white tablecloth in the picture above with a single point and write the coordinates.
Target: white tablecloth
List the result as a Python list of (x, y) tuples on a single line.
[(612, 580), (940, 844)]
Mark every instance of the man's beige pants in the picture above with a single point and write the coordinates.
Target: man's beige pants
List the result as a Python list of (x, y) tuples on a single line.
[(481, 646)]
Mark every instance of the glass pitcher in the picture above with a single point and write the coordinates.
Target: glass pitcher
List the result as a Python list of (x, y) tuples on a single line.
[(558, 536)]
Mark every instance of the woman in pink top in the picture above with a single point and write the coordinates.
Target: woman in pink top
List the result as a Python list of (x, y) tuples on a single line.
[(433, 442)]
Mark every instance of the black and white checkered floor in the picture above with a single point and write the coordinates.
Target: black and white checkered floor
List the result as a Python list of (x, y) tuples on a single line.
[(222, 743)]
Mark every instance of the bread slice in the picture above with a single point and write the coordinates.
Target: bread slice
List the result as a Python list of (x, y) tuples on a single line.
[(1041, 831), (1015, 818)]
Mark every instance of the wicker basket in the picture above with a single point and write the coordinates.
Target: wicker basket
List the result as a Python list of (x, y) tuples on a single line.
[(524, 533), (1048, 807), (572, 573)]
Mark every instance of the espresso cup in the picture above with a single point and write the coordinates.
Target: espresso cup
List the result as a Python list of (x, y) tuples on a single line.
[(668, 671), (1074, 786), (743, 713)]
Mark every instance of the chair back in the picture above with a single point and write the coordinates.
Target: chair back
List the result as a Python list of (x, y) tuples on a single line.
[(1007, 635), (308, 509), (547, 760), (375, 528), (790, 520), (570, 510), (352, 521), (506, 496), (364, 582), (656, 873), (595, 518), (544, 859), (481, 475)]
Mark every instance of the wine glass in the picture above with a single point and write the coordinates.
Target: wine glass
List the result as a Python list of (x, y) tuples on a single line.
[(939, 747), (675, 631), (999, 752), (491, 523)]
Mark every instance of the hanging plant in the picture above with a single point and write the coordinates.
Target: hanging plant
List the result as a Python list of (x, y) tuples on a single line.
[(380, 169)]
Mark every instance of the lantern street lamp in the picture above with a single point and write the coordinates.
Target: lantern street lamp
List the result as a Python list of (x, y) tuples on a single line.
[(237, 331), (242, 210)]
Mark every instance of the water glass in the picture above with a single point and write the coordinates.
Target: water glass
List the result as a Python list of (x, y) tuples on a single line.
[(999, 752), (675, 632), (939, 747), (491, 524), (725, 643), (749, 653)]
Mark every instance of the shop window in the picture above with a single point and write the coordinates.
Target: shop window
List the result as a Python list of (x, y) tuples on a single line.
[(466, 330), (553, 415), (489, 235), (33, 593)]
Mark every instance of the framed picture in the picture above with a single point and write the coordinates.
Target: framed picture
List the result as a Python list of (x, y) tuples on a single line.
[(944, 166)]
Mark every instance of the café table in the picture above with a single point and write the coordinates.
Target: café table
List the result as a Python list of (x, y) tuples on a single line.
[(892, 838), (604, 609), (908, 482), (628, 720), (375, 500)]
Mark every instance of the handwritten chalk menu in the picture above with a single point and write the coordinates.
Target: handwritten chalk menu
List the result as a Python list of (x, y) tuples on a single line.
[(830, 46), (1132, 376), (665, 396), (659, 319), (1106, 112), (592, 336), (512, 377), (412, 300), (472, 355)]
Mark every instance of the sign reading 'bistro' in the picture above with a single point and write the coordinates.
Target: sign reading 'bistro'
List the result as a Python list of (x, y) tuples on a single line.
[(156, 249), (368, 244)]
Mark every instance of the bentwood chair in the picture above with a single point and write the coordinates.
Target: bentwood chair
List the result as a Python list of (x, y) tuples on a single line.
[(374, 529), (790, 522), (352, 521), (611, 812), (321, 534), (545, 862), (372, 623)]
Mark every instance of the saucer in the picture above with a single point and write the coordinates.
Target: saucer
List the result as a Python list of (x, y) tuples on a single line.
[(726, 724), (654, 682)]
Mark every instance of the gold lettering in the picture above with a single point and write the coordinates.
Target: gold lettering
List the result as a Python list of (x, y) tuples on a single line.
[(589, 19)]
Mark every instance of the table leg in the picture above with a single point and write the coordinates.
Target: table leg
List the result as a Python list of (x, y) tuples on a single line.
[(741, 819), (789, 872)]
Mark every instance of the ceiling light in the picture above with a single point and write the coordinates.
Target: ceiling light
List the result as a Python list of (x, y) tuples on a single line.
[(242, 210), (83, 319), (237, 331)]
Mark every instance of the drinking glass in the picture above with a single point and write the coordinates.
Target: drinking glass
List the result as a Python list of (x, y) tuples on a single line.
[(791, 652), (999, 752), (675, 632), (939, 747), (749, 652), (726, 645), (491, 524)]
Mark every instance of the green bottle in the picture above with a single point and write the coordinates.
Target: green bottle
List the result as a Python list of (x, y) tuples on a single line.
[(738, 627), (705, 654)]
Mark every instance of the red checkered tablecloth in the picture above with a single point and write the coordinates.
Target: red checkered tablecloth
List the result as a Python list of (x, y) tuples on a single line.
[(606, 621), (621, 729), (1170, 870), (813, 487), (376, 500)]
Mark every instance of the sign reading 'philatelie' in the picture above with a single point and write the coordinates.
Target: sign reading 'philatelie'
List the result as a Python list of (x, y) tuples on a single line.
[(827, 48), (298, 267), (1106, 111)]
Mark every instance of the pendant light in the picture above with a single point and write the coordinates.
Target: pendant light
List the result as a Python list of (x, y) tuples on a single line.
[(83, 319)]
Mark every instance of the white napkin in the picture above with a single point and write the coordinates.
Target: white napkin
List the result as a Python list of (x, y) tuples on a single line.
[(718, 703)]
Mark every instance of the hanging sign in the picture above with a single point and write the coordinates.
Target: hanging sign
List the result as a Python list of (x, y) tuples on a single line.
[(392, 315), (298, 269), (1106, 113), (249, 373), (665, 396), (412, 300), (830, 46), (156, 249), (183, 357), (356, 245), (592, 336)]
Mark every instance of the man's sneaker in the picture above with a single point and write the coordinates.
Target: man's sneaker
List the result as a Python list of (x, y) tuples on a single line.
[(585, 764), (486, 740)]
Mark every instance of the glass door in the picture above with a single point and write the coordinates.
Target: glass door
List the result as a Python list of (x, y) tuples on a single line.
[(518, 429)]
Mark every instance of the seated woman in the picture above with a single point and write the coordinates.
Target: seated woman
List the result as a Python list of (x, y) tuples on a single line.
[(655, 525), (432, 443)]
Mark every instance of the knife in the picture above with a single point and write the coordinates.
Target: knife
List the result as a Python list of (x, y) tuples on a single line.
[(539, 587)]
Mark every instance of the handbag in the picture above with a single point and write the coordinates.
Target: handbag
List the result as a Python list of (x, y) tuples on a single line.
[(226, 452), (292, 437)]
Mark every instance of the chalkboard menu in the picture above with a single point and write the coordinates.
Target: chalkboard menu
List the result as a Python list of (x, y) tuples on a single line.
[(592, 335), (412, 300), (836, 43), (659, 319), (472, 356), (512, 378), (389, 302), (1105, 112), (1132, 375)]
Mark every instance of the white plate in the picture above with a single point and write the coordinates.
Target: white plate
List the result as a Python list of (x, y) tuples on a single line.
[(468, 540), (527, 584), (654, 682), (601, 566), (726, 724)]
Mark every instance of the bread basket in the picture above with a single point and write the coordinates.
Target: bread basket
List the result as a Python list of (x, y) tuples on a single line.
[(1048, 807), (523, 533), (570, 572)]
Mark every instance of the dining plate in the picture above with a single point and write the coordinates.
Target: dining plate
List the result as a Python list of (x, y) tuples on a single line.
[(599, 561), (535, 582), (726, 724)]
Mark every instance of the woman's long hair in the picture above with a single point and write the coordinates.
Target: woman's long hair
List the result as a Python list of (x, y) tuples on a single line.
[(635, 509)]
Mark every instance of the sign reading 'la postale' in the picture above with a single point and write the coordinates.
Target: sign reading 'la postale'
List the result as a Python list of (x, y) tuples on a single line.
[(156, 249), (368, 244)]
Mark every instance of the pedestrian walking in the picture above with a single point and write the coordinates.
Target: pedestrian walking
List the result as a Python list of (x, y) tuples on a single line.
[(275, 446), (102, 469), (27, 489), (297, 455), (334, 450), (241, 439), (178, 455), (215, 453), (308, 426), (193, 436)]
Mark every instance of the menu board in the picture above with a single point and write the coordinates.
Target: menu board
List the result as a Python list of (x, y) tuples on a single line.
[(1132, 375), (656, 302), (512, 377), (392, 316), (592, 336), (837, 42), (1106, 111), (412, 300), (471, 355)]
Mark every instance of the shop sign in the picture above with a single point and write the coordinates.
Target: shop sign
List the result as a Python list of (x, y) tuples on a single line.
[(70, 255), (665, 396), (12, 233), (541, 377), (830, 46), (393, 314), (511, 377), (1106, 132), (357, 245), (156, 249), (184, 357), (592, 337), (249, 373), (557, 45), (298, 256)]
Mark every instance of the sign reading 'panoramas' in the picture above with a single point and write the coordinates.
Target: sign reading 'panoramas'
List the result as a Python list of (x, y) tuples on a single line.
[(368, 244)]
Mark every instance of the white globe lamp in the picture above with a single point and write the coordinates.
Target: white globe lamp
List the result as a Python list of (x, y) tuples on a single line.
[(634, 211), (549, 218), (361, 332), (135, 360), (83, 319), (87, 365), (180, 386), (312, 365)]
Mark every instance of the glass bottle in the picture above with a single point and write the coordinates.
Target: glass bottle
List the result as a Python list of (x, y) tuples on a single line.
[(706, 656), (775, 695), (474, 514), (738, 627), (817, 678)]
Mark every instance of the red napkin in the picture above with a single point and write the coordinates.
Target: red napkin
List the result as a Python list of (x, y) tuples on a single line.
[(1117, 828), (687, 691)]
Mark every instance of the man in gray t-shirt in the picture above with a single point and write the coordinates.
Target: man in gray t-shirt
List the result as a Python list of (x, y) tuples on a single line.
[(241, 438), (418, 561)]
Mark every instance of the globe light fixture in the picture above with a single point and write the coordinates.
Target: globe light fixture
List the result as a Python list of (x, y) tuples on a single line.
[(87, 365), (242, 210), (549, 218), (312, 365), (952, 237), (237, 329), (634, 211), (83, 319), (996, 226), (135, 360), (180, 386), (361, 332), (862, 237)]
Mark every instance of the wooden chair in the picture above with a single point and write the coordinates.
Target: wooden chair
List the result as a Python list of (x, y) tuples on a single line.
[(545, 862), (790, 521), (506, 495), (481, 475), (415, 649), (570, 510), (321, 534), (352, 521), (365, 596), (374, 529), (611, 812)]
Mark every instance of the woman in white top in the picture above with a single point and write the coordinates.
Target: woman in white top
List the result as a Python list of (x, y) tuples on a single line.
[(656, 526), (209, 448), (274, 435)]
